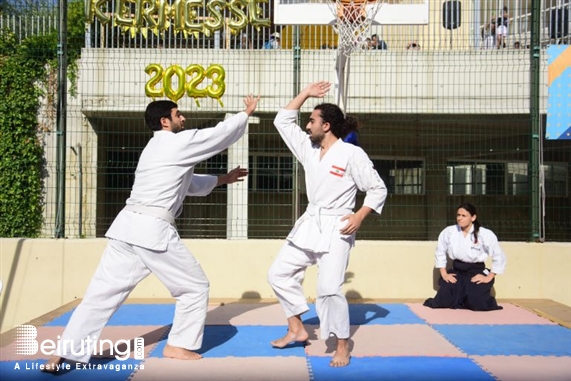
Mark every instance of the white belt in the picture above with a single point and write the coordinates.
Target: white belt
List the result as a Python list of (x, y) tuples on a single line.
[(319, 211), (154, 211)]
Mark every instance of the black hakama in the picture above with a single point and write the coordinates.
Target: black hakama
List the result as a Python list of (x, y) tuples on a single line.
[(464, 293)]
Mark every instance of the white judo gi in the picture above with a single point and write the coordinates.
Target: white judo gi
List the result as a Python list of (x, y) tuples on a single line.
[(332, 183), (143, 239), (456, 245), (469, 259)]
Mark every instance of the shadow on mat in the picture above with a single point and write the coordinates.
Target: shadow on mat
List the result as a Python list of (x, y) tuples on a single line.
[(122, 350), (150, 339), (214, 335), (222, 315), (359, 314)]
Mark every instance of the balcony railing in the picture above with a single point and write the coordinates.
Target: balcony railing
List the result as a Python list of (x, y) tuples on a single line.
[(472, 31)]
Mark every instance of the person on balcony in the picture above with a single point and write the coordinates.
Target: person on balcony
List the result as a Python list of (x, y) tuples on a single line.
[(489, 35), (502, 28), (245, 42), (273, 42)]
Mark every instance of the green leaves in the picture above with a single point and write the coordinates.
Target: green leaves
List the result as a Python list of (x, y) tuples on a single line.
[(24, 71), (21, 156)]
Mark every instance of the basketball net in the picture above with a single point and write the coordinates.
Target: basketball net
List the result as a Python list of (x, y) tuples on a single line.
[(353, 19)]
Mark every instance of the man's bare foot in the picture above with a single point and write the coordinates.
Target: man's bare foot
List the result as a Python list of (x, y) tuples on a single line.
[(52, 365), (342, 355), (180, 353), (300, 336)]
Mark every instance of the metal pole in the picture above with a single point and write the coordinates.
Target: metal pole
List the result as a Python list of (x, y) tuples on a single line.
[(80, 191), (296, 89), (61, 120), (536, 133)]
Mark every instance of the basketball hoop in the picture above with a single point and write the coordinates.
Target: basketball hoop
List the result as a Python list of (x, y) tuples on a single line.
[(353, 20)]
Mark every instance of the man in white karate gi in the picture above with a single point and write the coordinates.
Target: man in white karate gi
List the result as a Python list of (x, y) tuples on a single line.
[(144, 239), (325, 233)]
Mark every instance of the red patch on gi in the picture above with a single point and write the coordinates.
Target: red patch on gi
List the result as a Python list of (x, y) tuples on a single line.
[(337, 171)]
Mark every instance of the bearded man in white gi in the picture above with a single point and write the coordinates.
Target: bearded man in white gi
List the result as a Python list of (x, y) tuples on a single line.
[(144, 239), (325, 233)]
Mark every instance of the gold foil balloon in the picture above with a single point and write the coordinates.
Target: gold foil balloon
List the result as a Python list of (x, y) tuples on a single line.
[(174, 94), (122, 8), (215, 21), (255, 12), (196, 74), (191, 22), (238, 21), (156, 73), (215, 90), (144, 16)]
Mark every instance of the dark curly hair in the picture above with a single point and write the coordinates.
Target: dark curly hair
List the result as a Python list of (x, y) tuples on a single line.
[(341, 124)]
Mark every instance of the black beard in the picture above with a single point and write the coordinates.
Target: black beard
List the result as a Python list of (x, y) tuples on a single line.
[(315, 140)]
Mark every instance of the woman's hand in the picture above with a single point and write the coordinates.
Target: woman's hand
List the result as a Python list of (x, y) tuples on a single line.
[(449, 278), (481, 278)]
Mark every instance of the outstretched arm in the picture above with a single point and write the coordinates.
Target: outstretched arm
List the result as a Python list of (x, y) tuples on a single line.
[(314, 90), (235, 175), (202, 185)]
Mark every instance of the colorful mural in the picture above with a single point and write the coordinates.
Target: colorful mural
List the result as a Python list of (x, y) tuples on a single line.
[(559, 92)]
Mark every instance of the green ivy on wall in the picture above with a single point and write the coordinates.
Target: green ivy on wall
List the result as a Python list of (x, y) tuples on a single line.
[(25, 72), (22, 69)]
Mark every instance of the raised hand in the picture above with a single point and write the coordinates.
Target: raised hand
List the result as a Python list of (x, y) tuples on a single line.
[(251, 103), (314, 90), (318, 89)]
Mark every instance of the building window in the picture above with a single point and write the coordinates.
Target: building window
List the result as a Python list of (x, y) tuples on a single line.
[(401, 176), (493, 178), (517, 179), (556, 179), (271, 173), (466, 178), (477, 178), (120, 169)]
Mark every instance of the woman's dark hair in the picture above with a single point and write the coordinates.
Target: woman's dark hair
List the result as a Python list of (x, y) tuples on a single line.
[(472, 210), (156, 111), (341, 125)]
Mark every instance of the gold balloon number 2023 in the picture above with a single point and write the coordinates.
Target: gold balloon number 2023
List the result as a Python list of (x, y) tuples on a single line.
[(187, 81)]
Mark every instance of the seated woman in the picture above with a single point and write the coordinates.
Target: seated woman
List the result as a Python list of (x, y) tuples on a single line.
[(468, 283)]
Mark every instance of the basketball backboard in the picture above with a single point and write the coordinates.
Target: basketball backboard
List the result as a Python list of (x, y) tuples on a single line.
[(318, 12)]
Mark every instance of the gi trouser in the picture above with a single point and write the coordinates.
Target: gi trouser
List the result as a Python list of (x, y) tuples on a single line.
[(464, 293), (286, 276), (121, 268)]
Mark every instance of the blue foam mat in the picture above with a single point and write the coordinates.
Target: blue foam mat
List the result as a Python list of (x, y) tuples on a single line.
[(370, 314), (130, 315), (399, 369), (506, 340), (8, 371), (240, 341), (162, 314), (254, 341)]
